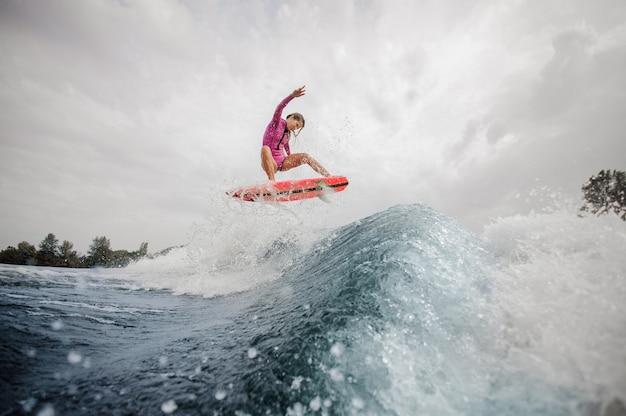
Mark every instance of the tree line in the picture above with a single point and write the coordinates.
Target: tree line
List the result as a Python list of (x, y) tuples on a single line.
[(51, 253)]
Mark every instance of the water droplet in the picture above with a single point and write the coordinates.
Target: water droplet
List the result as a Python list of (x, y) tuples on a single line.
[(337, 349), (358, 403), (74, 357), (252, 352), (336, 375), (47, 410), (296, 383), (316, 404), (169, 407)]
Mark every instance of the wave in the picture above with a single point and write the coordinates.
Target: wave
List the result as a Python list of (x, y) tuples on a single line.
[(402, 312), (368, 316), (405, 312)]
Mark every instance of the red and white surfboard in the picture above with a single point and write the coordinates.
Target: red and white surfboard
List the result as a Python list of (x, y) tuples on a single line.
[(293, 190)]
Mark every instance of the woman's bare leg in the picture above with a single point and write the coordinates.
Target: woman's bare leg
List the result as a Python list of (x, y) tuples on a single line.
[(297, 159), (268, 163)]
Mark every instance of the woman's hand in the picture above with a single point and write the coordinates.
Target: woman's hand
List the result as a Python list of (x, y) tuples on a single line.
[(298, 92)]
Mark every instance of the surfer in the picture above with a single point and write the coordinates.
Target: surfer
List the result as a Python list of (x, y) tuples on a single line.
[(275, 153)]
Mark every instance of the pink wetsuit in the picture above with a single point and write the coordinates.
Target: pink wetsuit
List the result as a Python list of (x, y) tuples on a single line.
[(276, 137)]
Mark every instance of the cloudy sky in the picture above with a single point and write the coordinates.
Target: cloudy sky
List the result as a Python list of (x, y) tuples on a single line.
[(129, 118)]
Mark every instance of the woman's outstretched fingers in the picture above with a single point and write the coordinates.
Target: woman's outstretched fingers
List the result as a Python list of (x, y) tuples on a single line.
[(299, 92)]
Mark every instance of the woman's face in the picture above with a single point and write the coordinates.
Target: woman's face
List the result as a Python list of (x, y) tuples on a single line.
[(293, 123)]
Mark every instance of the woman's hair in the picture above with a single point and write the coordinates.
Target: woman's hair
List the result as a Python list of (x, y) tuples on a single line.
[(299, 117)]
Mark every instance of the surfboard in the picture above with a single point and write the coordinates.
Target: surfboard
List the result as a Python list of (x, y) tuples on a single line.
[(293, 190)]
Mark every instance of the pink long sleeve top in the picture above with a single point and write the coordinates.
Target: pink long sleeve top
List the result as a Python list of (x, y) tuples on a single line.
[(276, 137)]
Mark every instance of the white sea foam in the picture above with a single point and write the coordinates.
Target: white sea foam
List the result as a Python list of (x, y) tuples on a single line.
[(245, 246), (560, 285)]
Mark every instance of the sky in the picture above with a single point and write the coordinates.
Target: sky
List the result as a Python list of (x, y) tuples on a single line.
[(130, 118)]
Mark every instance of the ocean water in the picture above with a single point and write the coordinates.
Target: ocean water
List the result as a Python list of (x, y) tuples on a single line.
[(404, 312)]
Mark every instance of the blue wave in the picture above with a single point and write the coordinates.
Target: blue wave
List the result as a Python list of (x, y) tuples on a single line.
[(388, 291)]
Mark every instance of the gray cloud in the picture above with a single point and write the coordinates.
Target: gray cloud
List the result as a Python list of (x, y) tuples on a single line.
[(129, 119)]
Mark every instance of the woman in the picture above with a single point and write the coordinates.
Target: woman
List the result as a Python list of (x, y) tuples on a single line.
[(275, 153)]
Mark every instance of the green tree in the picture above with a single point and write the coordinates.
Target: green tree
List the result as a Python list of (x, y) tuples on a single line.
[(100, 253), (9, 255), (120, 258), (605, 192), (67, 256), (139, 254), (27, 253), (47, 254), (24, 254)]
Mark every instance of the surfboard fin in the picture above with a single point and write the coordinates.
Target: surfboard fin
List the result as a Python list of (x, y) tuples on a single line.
[(325, 191), (324, 198)]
